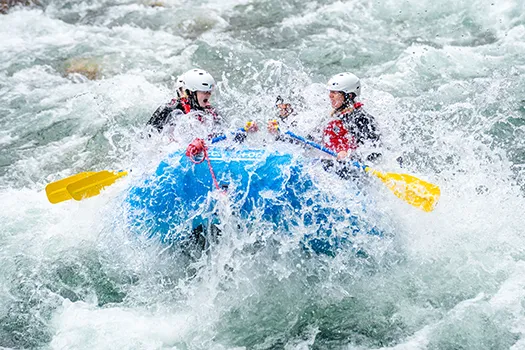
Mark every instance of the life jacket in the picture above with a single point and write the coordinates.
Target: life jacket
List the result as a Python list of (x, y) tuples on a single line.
[(184, 106), (336, 135), (182, 103), (163, 115)]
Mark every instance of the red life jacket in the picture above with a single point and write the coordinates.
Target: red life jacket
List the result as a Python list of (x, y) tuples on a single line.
[(186, 108), (336, 135)]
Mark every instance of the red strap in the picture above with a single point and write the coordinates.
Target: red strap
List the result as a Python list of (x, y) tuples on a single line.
[(185, 105), (358, 105), (194, 149)]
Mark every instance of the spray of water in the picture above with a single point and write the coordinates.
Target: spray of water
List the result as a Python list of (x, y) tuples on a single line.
[(445, 82)]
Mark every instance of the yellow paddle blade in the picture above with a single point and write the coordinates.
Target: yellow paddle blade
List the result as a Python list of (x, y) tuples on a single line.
[(91, 186), (57, 192), (412, 190)]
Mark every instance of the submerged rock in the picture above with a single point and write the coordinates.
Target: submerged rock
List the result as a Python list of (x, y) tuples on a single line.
[(5, 5), (155, 4), (80, 69)]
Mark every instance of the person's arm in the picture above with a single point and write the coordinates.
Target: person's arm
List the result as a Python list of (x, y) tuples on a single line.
[(367, 133), (284, 111), (160, 117), (366, 130)]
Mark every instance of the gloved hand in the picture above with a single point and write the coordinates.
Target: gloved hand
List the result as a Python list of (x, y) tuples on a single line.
[(273, 126), (285, 109), (251, 127), (342, 155)]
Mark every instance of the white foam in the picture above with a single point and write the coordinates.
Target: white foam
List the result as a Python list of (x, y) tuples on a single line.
[(83, 326)]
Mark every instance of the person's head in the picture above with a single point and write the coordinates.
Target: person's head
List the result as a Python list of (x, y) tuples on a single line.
[(198, 85), (344, 88)]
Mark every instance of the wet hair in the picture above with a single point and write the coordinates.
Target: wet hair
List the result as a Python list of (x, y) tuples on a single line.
[(192, 100), (349, 100)]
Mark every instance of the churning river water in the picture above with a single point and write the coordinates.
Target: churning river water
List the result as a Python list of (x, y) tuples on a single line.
[(445, 80)]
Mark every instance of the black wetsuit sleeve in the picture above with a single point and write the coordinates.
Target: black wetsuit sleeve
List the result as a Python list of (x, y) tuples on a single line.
[(365, 129), (161, 117)]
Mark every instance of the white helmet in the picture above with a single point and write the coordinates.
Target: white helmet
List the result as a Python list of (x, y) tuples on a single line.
[(198, 80), (345, 82)]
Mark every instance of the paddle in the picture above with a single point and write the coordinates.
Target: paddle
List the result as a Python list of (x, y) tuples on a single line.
[(412, 190), (88, 184), (57, 191), (83, 185), (92, 185)]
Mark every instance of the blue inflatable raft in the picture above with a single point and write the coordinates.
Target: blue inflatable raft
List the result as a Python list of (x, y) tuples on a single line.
[(181, 197)]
